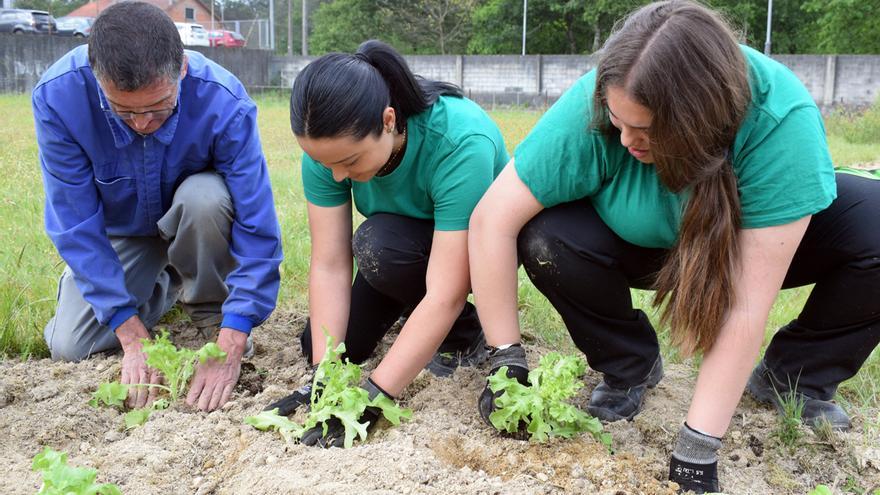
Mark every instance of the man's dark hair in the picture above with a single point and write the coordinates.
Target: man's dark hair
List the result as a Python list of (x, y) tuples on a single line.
[(133, 45)]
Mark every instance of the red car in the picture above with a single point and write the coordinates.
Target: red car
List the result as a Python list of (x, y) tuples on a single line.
[(229, 39)]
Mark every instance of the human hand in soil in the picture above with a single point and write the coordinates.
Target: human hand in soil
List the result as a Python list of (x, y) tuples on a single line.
[(694, 462), (335, 436), (514, 357), (214, 380), (134, 363), (300, 397)]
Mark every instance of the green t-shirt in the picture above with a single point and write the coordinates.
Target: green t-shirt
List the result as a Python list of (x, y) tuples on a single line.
[(453, 153), (780, 158)]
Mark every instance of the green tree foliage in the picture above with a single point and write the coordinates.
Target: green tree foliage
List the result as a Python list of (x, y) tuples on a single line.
[(846, 26), (342, 25), (57, 8), (554, 26)]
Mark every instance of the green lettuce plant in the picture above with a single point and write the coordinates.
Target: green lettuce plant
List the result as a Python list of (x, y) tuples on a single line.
[(543, 405), (335, 394), (61, 479), (175, 365)]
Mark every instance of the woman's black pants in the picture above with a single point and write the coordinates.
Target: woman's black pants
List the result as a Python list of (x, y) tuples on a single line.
[(392, 261), (586, 271)]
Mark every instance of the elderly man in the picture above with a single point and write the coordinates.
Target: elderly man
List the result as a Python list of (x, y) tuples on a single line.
[(157, 191)]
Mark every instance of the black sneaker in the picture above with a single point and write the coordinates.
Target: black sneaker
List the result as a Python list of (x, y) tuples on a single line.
[(443, 364), (766, 388), (613, 404)]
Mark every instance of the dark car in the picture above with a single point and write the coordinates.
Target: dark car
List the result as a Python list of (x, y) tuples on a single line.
[(78, 27), (229, 39), (21, 21)]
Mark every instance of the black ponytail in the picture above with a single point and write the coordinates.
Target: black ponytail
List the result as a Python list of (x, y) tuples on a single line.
[(342, 94)]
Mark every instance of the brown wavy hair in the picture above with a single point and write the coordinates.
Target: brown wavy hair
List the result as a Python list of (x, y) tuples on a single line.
[(681, 61)]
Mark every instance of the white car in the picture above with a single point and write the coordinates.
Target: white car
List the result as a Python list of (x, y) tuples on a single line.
[(192, 34)]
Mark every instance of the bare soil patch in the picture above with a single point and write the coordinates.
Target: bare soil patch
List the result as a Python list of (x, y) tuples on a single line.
[(445, 449)]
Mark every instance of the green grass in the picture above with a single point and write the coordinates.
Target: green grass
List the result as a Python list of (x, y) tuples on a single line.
[(29, 265)]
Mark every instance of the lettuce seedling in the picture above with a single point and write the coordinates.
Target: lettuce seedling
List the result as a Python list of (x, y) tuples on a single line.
[(175, 365), (61, 479), (542, 406), (335, 393), (111, 394)]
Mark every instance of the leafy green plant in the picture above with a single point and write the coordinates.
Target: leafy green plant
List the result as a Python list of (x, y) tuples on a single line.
[(110, 394), (61, 479), (175, 365), (335, 394), (542, 406), (820, 490)]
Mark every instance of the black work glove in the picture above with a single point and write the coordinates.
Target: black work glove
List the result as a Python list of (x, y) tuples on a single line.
[(335, 436), (301, 397), (694, 462), (514, 357)]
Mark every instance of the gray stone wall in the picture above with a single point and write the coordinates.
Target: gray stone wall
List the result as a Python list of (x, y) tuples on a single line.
[(489, 79), (24, 58)]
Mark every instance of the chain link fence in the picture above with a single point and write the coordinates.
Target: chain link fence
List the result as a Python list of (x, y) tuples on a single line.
[(255, 31)]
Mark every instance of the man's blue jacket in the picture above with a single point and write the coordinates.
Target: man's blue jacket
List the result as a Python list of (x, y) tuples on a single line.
[(103, 179)]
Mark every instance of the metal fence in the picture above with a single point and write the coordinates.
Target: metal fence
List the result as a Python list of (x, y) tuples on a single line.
[(255, 31)]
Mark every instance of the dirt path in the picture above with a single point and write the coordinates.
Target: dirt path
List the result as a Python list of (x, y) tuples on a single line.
[(445, 449)]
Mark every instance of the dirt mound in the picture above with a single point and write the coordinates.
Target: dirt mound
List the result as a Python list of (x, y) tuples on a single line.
[(445, 449)]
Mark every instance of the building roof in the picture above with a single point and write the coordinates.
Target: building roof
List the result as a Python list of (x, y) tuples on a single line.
[(95, 7)]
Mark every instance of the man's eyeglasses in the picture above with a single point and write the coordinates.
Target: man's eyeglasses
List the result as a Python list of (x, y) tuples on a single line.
[(151, 115), (160, 114)]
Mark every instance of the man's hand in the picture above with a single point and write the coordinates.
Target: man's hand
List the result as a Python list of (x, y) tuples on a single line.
[(134, 363), (214, 380)]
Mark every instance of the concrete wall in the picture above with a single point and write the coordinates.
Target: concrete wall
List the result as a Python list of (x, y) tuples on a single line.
[(496, 79), (24, 58)]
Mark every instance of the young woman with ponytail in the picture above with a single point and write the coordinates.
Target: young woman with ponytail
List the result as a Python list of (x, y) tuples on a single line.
[(415, 157), (697, 167)]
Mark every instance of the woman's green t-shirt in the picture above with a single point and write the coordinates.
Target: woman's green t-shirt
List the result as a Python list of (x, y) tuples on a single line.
[(453, 153), (780, 158)]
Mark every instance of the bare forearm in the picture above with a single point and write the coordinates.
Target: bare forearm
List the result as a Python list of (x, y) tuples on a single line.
[(723, 374), (493, 265), (419, 339), (329, 304)]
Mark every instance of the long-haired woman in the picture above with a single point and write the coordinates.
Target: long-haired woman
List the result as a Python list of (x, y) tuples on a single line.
[(415, 157), (692, 165)]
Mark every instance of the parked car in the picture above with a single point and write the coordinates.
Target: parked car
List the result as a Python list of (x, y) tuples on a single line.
[(78, 27), (229, 39), (192, 34), (21, 21)]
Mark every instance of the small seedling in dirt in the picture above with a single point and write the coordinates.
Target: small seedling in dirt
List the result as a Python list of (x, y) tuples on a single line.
[(110, 394), (175, 365), (61, 479), (820, 490), (543, 406), (789, 430), (335, 393)]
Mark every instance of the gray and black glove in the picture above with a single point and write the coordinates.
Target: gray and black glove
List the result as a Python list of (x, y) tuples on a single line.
[(301, 397), (694, 462), (514, 357), (335, 436)]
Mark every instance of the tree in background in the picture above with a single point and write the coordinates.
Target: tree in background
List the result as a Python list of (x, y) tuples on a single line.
[(846, 26), (57, 8), (554, 26)]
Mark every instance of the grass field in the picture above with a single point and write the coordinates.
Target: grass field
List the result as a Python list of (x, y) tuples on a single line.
[(29, 264)]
